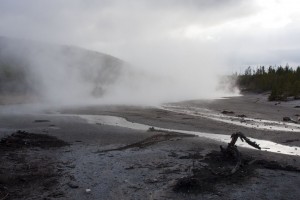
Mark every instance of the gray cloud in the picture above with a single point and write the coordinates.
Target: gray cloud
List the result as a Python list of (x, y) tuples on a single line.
[(110, 21)]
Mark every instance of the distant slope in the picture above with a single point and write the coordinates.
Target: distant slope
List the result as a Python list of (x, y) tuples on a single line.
[(59, 72)]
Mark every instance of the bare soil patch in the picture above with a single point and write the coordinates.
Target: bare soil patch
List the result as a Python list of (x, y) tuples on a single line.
[(27, 168), (23, 139)]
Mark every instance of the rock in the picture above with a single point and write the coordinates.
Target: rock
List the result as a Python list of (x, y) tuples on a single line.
[(72, 185), (151, 129), (41, 120), (226, 112), (130, 167), (286, 119)]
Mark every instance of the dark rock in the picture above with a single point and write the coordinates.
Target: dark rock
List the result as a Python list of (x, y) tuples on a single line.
[(286, 119), (226, 112), (72, 185), (41, 120)]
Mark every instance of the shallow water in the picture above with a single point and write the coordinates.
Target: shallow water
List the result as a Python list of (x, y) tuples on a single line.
[(121, 122), (260, 124)]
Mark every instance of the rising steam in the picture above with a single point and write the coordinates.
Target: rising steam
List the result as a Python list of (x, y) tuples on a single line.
[(65, 75)]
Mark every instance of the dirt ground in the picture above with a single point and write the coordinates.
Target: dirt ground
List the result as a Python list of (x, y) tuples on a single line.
[(52, 156)]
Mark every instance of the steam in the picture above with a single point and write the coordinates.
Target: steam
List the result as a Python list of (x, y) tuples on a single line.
[(65, 75), (168, 50), (163, 50)]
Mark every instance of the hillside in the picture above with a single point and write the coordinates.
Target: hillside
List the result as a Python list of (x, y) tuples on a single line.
[(54, 71)]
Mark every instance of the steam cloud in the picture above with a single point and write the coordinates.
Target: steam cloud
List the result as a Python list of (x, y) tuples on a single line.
[(68, 75), (169, 50)]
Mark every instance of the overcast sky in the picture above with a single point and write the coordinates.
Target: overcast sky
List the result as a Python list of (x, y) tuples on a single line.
[(223, 34)]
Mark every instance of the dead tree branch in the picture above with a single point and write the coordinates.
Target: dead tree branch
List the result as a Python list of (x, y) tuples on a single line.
[(233, 152)]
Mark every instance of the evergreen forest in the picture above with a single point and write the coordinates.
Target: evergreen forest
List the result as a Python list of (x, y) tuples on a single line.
[(282, 82)]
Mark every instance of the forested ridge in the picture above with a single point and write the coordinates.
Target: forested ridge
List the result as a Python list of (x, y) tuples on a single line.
[(282, 82)]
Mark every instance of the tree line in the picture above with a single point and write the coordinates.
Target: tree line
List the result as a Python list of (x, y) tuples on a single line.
[(282, 82)]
